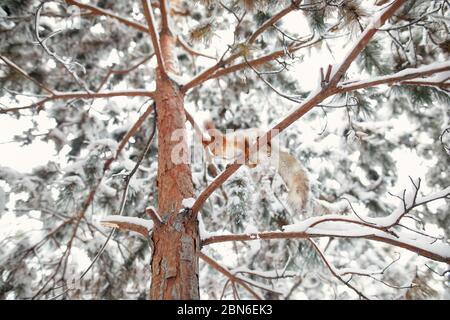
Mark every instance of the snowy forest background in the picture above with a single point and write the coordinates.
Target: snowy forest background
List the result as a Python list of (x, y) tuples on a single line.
[(364, 146)]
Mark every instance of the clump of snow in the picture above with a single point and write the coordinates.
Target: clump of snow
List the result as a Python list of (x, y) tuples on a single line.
[(188, 203), (251, 229), (107, 190)]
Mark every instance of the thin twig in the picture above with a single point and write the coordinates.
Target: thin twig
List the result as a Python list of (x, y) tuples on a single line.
[(228, 274)]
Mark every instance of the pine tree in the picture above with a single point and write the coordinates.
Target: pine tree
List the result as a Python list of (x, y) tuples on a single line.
[(111, 90)]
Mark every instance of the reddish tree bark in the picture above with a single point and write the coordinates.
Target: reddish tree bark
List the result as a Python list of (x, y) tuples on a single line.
[(175, 242)]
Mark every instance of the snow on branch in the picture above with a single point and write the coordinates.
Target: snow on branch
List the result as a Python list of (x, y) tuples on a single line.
[(139, 225), (383, 229), (439, 69), (421, 245), (409, 200)]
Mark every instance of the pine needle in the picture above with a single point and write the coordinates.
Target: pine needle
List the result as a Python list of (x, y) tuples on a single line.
[(202, 33)]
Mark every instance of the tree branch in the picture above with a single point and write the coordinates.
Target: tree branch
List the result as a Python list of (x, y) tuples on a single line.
[(262, 60), (101, 12), (228, 274), (125, 71), (23, 73), (83, 95), (142, 226), (148, 13), (215, 72), (202, 77), (164, 5), (428, 83), (385, 238), (334, 272), (274, 19), (378, 229), (192, 51)]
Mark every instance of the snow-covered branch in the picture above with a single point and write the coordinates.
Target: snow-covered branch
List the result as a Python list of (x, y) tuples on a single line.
[(441, 68), (409, 200), (378, 229), (139, 225), (421, 245)]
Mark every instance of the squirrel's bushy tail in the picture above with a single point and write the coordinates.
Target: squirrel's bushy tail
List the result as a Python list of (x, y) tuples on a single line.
[(296, 180), (300, 200)]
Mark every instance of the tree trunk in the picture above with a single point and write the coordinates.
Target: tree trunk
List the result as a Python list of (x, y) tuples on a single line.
[(175, 242)]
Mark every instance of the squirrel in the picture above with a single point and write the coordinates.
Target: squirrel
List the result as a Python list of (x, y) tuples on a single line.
[(231, 145)]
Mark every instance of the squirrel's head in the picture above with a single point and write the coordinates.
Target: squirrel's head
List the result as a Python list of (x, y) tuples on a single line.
[(216, 142)]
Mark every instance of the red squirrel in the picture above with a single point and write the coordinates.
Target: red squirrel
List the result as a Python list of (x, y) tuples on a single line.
[(233, 144)]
